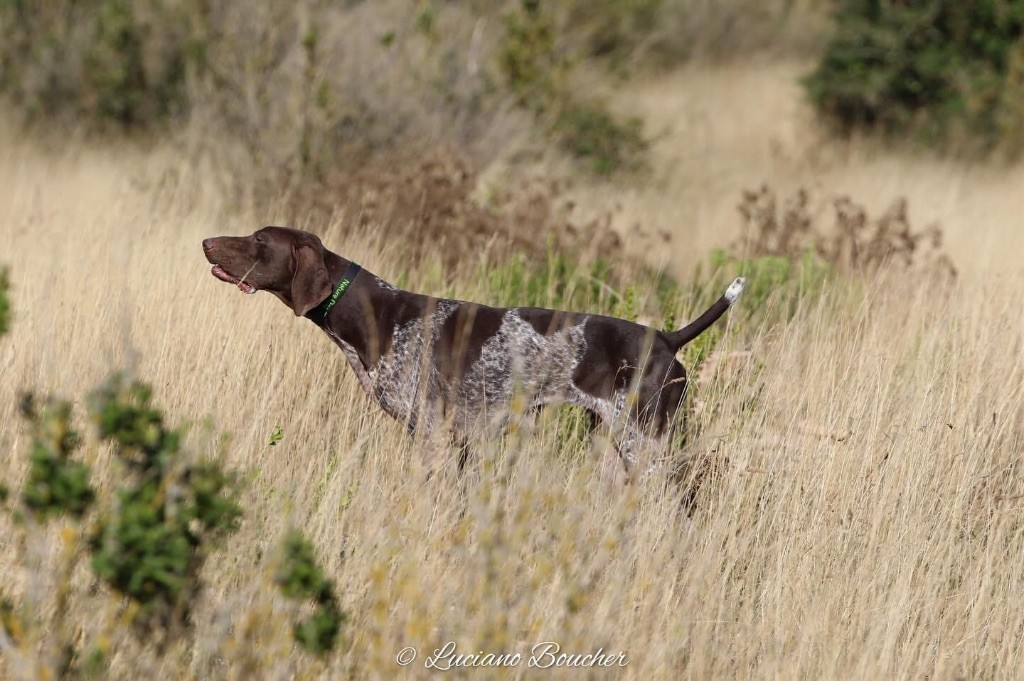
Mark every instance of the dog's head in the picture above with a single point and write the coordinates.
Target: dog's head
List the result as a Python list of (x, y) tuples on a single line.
[(286, 262)]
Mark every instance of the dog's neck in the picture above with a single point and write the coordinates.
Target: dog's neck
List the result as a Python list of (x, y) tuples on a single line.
[(364, 317), (324, 307)]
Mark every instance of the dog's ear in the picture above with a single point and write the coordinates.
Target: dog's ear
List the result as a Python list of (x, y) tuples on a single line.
[(311, 283)]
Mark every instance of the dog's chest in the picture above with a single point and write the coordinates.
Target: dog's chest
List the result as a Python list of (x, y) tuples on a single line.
[(401, 377), (516, 361)]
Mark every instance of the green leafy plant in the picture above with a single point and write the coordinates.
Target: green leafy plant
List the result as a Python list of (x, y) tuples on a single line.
[(783, 277), (566, 282), (114, 65), (148, 546), (300, 578), (529, 58), (591, 133), (947, 71), (56, 484), (536, 68), (151, 546), (556, 281), (98, 58)]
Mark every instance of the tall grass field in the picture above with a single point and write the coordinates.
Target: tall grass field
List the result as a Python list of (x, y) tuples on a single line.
[(858, 443)]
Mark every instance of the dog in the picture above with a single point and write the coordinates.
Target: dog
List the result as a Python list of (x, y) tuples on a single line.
[(433, 362)]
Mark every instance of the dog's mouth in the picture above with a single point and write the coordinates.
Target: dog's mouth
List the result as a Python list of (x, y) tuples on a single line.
[(223, 275)]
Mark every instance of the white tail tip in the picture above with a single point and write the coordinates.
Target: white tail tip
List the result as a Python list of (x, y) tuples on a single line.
[(734, 290)]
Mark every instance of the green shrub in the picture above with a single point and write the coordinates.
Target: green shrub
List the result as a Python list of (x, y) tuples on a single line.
[(151, 548), (591, 133), (1009, 114), (535, 63), (55, 484), (95, 58), (559, 281), (562, 282), (768, 275), (114, 65), (528, 56), (148, 546), (947, 71), (5, 313), (300, 578)]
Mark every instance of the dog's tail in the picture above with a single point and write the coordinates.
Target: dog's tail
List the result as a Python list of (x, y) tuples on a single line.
[(678, 339)]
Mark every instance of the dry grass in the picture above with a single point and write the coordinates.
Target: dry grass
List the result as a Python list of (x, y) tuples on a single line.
[(718, 130), (862, 516), (431, 204)]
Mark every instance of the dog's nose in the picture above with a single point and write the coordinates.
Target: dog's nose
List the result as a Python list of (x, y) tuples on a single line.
[(207, 245)]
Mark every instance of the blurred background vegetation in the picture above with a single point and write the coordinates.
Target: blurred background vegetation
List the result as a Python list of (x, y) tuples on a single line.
[(948, 72), (312, 85)]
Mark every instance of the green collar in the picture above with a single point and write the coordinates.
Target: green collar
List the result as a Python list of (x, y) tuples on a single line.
[(323, 308)]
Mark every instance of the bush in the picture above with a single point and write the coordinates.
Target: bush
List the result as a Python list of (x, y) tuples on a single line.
[(535, 62), (149, 544), (95, 58), (947, 71), (529, 57), (300, 578), (55, 484), (590, 133), (562, 282), (636, 35)]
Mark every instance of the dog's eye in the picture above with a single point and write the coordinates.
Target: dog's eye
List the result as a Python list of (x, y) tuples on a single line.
[(258, 239)]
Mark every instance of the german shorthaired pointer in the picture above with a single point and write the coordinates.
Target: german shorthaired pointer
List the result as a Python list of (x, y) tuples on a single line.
[(433, 362)]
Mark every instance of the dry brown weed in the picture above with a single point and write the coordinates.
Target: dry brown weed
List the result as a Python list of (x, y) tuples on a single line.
[(433, 200), (853, 242)]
